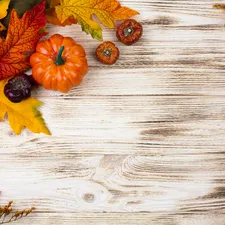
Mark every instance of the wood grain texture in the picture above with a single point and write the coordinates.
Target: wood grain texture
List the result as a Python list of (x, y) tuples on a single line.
[(140, 142)]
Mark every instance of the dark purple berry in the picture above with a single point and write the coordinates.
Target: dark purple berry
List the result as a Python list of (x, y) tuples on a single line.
[(12, 95), (18, 88)]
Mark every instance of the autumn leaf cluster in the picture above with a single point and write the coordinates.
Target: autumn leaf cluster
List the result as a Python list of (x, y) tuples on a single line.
[(81, 11), (24, 24), (22, 37)]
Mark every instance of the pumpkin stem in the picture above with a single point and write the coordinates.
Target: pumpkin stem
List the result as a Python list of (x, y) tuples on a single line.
[(59, 60)]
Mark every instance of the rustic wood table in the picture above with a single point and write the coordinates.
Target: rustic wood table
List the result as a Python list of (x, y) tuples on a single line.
[(140, 142)]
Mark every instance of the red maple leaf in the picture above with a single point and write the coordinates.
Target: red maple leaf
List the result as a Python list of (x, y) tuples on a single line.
[(21, 40)]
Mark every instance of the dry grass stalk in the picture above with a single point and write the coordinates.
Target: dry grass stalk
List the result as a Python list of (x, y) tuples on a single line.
[(7, 215)]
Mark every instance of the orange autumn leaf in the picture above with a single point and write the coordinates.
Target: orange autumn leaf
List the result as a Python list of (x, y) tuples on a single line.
[(22, 37), (107, 12), (52, 18), (23, 114)]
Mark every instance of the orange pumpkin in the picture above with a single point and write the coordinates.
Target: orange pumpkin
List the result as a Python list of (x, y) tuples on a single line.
[(59, 63)]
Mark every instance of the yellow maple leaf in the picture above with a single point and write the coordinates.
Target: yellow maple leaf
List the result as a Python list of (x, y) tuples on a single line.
[(4, 4), (82, 10), (52, 18), (23, 114)]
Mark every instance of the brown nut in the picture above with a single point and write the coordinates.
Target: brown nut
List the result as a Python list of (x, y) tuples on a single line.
[(107, 53), (129, 32)]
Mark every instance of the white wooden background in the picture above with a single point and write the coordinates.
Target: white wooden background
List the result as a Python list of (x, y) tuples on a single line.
[(139, 142)]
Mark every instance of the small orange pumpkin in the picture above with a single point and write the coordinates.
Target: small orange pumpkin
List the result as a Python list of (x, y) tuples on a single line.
[(59, 63)]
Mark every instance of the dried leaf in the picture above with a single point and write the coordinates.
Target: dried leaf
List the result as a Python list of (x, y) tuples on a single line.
[(23, 114), (107, 12), (22, 37), (4, 4)]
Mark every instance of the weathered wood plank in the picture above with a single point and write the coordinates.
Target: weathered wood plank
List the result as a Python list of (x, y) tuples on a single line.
[(171, 120), (179, 183), (154, 81), (122, 219)]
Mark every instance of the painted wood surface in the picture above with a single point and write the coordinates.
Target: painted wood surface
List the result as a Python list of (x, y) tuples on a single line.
[(139, 142)]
